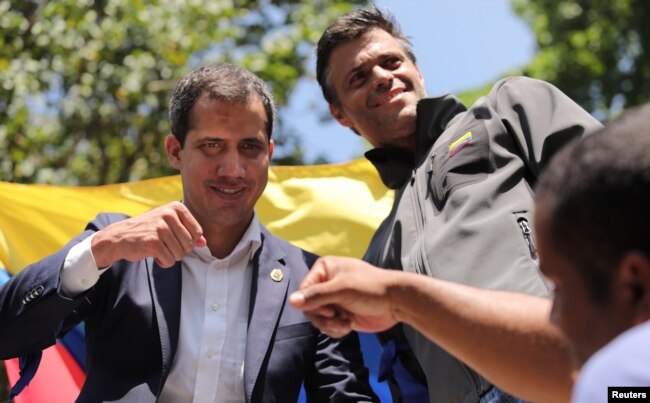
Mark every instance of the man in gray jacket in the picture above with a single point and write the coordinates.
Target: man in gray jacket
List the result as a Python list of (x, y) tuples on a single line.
[(592, 231), (463, 203)]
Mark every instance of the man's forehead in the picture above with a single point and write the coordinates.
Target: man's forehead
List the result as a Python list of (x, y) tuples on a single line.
[(373, 45), (372, 42)]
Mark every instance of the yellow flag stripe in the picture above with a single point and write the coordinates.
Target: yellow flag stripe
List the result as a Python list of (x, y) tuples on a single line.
[(327, 209), (462, 139)]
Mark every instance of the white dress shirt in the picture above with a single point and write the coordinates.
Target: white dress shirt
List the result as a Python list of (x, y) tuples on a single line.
[(209, 361)]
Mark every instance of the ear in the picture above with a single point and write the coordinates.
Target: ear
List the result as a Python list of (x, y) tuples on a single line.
[(271, 148), (634, 276), (173, 148), (340, 116)]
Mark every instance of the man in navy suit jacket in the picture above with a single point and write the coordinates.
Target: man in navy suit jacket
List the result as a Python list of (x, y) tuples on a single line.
[(187, 302)]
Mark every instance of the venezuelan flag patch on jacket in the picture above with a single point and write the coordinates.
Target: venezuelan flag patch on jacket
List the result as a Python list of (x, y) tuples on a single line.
[(462, 141)]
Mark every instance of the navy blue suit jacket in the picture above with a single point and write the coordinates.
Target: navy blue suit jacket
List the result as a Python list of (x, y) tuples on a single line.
[(132, 320)]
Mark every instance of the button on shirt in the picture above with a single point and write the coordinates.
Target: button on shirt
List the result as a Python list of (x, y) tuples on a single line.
[(209, 361)]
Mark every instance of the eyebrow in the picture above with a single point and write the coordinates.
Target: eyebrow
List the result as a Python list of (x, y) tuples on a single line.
[(381, 57), (218, 139), (207, 138)]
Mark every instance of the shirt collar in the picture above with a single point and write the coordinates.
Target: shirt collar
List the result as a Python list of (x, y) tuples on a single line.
[(433, 115), (249, 243)]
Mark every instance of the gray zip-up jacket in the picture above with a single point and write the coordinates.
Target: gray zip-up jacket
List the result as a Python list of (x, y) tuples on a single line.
[(463, 204)]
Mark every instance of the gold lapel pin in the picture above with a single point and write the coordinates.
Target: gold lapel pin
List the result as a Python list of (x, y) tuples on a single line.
[(276, 275)]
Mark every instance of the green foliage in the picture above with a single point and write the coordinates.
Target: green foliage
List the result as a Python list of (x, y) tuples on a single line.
[(597, 51), (85, 84)]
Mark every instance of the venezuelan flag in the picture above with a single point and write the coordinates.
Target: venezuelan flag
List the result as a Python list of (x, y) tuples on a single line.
[(461, 142)]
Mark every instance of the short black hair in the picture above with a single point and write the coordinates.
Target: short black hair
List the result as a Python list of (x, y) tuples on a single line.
[(597, 191), (347, 28), (225, 82)]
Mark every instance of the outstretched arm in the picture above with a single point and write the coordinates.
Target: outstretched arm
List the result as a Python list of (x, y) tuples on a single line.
[(505, 336)]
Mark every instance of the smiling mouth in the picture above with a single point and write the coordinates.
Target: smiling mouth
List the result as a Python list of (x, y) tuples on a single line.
[(230, 191), (227, 191), (389, 96)]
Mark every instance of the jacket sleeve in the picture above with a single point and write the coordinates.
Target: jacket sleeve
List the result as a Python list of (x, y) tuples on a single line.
[(33, 313), (340, 374), (541, 118)]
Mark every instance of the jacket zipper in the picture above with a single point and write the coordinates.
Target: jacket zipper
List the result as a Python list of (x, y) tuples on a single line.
[(418, 216), (528, 236)]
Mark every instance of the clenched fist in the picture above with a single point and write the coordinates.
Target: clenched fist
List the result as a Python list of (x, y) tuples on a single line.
[(165, 233)]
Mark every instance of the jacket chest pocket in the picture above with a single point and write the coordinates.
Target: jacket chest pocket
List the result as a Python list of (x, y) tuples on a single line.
[(456, 162)]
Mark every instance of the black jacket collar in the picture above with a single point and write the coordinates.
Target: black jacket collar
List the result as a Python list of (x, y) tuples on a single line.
[(433, 114)]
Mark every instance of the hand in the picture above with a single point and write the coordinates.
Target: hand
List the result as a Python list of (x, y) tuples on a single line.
[(342, 294), (165, 233)]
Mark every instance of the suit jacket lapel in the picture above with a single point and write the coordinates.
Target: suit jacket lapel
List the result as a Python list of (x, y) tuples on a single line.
[(165, 285), (268, 297)]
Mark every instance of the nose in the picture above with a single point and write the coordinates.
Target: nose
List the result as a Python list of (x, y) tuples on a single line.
[(382, 77), (231, 164)]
